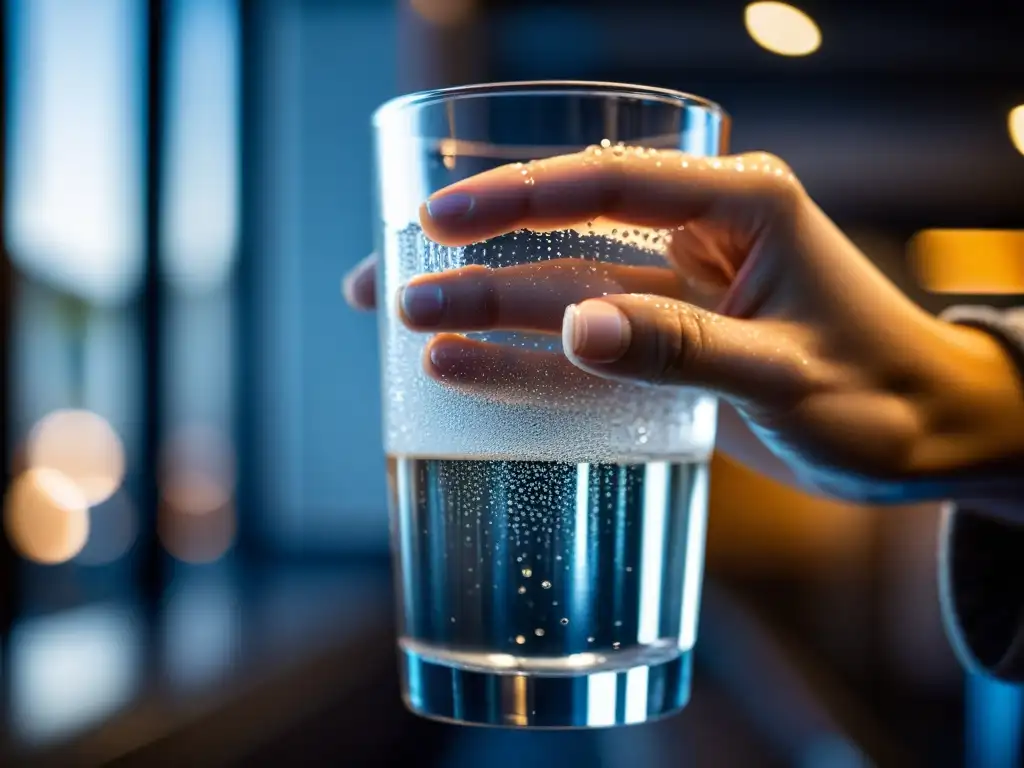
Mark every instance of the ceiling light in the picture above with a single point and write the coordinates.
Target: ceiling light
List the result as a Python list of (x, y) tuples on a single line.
[(782, 29), (1016, 126)]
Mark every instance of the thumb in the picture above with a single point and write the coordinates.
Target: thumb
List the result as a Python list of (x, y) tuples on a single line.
[(661, 341)]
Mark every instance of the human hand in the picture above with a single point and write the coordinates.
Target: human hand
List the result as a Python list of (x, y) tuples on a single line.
[(854, 390)]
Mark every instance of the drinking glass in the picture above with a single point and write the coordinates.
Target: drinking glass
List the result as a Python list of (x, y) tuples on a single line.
[(548, 529)]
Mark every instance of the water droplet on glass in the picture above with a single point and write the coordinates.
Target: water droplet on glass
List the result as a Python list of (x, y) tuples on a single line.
[(538, 632), (590, 639), (520, 639), (564, 622), (522, 590), (545, 584), (527, 572)]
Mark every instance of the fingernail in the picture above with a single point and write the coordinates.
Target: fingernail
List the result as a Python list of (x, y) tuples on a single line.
[(423, 305), (442, 360), (595, 331), (358, 289), (452, 206), (452, 363)]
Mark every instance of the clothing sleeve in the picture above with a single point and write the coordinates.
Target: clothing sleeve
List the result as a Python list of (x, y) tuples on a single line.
[(981, 557)]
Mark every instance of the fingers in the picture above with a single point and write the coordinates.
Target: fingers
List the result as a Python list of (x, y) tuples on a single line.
[(359, 285), (632, 185), (525, 297), (509, 374), (661, 341)]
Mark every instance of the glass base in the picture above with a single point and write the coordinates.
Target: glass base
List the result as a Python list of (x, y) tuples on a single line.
[(596, 700)]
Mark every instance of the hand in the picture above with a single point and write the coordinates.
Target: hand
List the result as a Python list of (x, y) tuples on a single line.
[(854, 390)]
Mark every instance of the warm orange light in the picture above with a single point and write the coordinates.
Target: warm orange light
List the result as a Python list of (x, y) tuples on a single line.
[(83, 447), (968, 261), (1016, 126), (758, 525), (443, 12), (197, 485), (196, 539), (782, 29), (46, 516)]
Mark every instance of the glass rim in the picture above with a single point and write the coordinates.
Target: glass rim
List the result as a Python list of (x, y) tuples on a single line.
[(545, 88)]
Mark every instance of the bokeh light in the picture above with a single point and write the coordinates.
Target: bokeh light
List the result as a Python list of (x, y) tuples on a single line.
[(82, 446), (196, 539), (46, 516), (782, 29), (968, 261), (197, 482), (1016, 126)]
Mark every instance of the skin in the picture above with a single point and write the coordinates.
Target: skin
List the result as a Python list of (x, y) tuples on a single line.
[(831, 379)]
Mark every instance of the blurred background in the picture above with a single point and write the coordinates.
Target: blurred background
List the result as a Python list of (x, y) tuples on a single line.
[(194, 561)]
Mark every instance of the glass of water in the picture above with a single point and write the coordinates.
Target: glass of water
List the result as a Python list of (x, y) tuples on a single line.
[(548, 531)]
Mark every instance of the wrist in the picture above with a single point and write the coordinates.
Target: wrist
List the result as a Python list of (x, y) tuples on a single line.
[(973, 417)]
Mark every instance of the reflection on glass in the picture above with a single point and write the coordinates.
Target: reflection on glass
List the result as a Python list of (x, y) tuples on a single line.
[(74, 149), (70, 670)]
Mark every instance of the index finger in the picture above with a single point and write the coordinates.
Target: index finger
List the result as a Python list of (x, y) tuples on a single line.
[(648, 188)]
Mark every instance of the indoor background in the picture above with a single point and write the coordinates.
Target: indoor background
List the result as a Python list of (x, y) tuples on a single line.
[(194, 568)]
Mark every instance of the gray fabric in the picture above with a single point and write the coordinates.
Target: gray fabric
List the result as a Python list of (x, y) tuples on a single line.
[(981, 558)]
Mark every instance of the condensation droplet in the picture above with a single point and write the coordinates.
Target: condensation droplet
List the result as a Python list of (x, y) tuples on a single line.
[(522, 590), (545, 584), (520, 639), (527, 572), (538, 632), (564, 621)]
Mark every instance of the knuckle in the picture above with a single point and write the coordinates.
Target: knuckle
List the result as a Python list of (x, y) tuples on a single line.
[(679, 344), (776, 184), (475, 294)]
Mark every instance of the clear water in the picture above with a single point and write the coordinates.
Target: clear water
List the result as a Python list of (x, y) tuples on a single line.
[(548, 529), (540, 569)]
